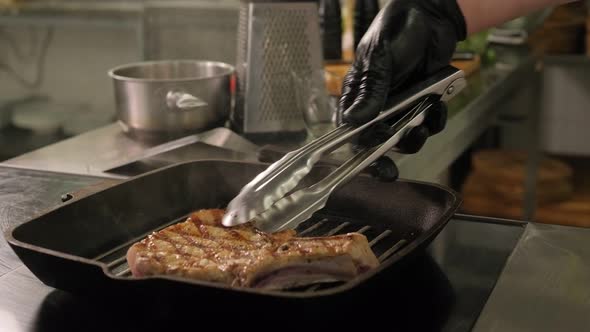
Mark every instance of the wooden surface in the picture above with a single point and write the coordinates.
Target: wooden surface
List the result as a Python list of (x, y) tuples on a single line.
[(510, 165), (496, 188), (574, 211), (505, 192), (335, 72), (571, 212), (469, 67), (563, 32)]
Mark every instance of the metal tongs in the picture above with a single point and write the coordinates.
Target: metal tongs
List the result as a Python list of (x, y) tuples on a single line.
[(267, 201)]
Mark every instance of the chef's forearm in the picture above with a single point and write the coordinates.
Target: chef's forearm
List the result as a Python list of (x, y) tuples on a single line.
[(483, 14)]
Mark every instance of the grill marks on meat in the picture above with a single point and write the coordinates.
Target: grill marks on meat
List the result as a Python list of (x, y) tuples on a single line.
[(201, 248)]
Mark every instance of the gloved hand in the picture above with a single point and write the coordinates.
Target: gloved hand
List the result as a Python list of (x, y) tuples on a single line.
[(407, 41)]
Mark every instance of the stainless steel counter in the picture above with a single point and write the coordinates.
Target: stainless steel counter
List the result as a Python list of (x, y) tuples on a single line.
[(534, 280), (473, 111), (99, 150), (24, 194), (545, 285), (448, 285)]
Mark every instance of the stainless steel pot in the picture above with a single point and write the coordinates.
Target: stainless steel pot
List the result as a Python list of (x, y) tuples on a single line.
[(172, 96)]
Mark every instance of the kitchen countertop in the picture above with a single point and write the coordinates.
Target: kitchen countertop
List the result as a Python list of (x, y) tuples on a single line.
[(24, 194), (460, 267), (470, 113), (94, 152), (491, 274), (544, 286)]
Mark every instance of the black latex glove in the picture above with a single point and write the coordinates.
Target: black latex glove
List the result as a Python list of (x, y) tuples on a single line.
[(384, 168), (408, 41)]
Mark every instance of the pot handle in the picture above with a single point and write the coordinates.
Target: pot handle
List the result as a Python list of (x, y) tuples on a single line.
[(177, 100)]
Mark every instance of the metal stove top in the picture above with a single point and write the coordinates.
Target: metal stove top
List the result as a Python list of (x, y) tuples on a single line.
[(479, 274)]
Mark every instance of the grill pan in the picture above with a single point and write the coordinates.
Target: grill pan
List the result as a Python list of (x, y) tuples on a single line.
[(80, 246)]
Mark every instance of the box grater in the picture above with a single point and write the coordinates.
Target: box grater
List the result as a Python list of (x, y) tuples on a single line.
[(276, 40)]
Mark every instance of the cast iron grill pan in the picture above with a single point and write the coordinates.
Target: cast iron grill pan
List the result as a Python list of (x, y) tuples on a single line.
[(81, 245)]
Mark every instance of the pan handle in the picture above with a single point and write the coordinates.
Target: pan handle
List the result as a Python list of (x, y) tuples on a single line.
[(179, 100)]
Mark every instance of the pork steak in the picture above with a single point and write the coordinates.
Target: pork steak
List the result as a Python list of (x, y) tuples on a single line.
[(201, 248)]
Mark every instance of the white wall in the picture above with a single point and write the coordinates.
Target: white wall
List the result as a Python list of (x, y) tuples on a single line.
[(76, 66)]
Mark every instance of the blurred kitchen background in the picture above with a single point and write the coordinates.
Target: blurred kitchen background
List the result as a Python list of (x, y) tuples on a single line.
[(55, 54)]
